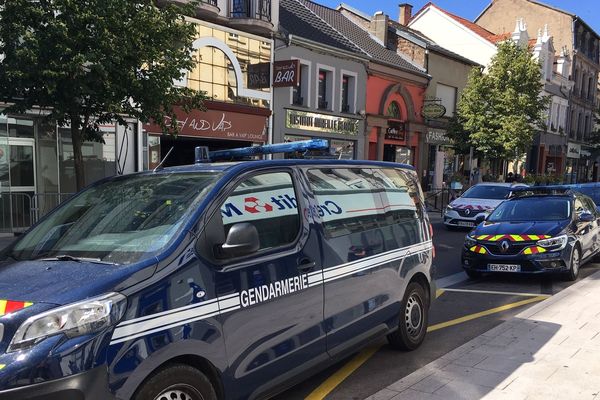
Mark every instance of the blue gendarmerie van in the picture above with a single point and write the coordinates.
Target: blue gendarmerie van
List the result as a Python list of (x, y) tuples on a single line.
[(214, 281)]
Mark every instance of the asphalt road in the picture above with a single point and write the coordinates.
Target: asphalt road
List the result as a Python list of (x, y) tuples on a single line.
[(461, 312)]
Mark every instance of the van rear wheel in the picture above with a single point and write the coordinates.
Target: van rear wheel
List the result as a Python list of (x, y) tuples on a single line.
[(178, 381), (413, 320)]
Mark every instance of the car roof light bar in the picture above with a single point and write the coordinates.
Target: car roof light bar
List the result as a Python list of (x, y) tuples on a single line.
[(232, 154)]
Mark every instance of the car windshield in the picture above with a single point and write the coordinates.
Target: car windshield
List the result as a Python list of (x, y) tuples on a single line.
[(532, 209), (120, 221), (487, 192)]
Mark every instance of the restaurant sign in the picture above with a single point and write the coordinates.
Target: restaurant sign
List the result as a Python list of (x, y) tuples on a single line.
[(217, 124), (433, 110), (573, 150), (396, 130), (321, 123)]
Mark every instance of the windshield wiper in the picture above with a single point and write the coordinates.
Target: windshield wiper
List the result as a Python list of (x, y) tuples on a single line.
[(67, 257)]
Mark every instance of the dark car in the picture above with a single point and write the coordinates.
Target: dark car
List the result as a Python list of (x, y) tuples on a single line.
[(229, 281), (537, 231)]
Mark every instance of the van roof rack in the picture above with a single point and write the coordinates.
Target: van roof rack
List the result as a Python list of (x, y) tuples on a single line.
[(550, 190), (304, 146)]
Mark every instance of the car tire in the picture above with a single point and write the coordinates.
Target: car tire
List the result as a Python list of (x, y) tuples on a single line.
[(414, 318), (177, 381), (574, 265), (473, 274)]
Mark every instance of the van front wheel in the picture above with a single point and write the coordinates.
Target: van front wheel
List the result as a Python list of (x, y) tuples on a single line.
[(178, 381), (413, 320)]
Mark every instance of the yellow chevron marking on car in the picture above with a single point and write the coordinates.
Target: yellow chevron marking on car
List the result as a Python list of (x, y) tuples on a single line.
[(9, 306), (534, 250), (478, 249), (517, 238)]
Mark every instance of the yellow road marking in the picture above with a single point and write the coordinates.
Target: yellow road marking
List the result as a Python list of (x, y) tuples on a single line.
[(439, 292), (336, 379), (485, 313), (495, 292)]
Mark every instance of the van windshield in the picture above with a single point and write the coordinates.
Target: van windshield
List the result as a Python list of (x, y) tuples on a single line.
[(120, 221)]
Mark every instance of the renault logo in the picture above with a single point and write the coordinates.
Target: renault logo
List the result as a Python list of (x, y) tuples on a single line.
[(504, 246), (468, 211)]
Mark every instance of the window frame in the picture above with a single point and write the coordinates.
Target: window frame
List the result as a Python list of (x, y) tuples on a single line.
[(306, 96), (329, 87), (352, 88), (263, 255)]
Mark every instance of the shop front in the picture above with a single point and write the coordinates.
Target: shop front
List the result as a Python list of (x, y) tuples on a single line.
[(220, 127), (342, 133), (441, 159), (37, 169)]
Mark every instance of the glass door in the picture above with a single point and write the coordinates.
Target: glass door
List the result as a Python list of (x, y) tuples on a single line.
[(17, 183)]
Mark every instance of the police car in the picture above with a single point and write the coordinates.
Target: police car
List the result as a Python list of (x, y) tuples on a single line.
[(478, 200), (538, 230), (214, 281)]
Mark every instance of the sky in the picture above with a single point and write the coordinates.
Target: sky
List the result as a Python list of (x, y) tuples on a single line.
[(589, 10)]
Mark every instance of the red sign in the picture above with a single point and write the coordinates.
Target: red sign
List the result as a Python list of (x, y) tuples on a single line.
[(286, 73), (218, 124)]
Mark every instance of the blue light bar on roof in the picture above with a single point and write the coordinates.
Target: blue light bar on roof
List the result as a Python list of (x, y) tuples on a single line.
[(302, 146)]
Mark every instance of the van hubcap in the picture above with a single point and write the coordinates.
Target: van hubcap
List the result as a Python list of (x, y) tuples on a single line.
[(180, 392), (413, 316)]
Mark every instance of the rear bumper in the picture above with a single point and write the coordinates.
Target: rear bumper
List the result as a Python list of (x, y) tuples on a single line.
[(89, 385)]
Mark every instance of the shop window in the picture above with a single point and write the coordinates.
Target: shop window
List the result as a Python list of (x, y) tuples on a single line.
[(300, 92), (21, 128), (98, 160), (394, 110), (447, 95), (348, 94), (325, 90)]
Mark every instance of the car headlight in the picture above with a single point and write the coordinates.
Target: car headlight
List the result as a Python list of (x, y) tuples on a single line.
[(470, 242), (77, 319), (449, 208), (559, 241)]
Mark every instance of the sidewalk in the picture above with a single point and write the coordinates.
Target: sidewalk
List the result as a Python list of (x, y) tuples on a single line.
[(549, 351)]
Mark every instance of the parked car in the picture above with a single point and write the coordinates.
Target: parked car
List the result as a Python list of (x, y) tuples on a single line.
[(539, 230), (227, 281), (478, 200)]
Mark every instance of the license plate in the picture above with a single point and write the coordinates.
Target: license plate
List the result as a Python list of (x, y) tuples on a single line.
[(504, 267), (465, 223)]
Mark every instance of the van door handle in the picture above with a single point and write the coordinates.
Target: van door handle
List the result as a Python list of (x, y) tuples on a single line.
[(306, 265)]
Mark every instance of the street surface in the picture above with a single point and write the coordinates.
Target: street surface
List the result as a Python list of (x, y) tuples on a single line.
[(462, 311)]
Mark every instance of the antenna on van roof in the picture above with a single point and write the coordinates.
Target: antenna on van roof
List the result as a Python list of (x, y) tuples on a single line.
[(160, 165)]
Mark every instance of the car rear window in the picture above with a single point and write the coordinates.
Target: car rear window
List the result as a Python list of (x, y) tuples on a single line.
[(487, 192)]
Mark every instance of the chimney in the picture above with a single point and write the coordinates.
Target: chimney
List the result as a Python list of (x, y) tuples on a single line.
[(405, 13), (379, 27)]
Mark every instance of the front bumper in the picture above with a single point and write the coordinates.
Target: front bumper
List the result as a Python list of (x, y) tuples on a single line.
[(551, 262), (89, 385), (453, 218)]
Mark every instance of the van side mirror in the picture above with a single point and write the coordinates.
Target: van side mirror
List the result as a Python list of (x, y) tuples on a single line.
[(242, 240), (586, 217), (479, 219)]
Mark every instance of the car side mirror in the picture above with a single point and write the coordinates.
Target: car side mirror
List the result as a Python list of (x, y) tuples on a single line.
[(479, 219), (242, 240), (586, 217)]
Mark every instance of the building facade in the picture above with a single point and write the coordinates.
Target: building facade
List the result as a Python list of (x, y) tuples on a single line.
[(234, 52), (582, 43), (320, 84), (395, 86)]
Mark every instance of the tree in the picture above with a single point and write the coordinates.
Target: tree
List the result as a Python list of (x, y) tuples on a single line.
[(500, 111), (89, 62)]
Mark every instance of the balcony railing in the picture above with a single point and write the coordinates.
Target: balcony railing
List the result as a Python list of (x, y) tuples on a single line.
[(255, 9)]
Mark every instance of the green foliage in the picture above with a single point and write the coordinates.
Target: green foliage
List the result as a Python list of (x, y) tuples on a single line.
[(88, 62), (500, 110)]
